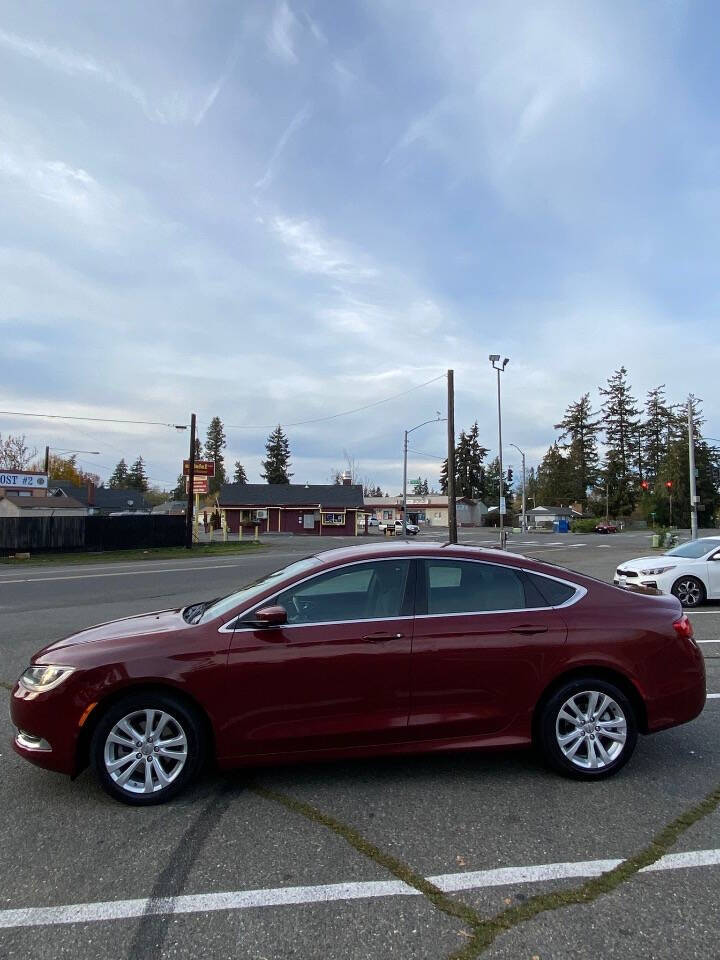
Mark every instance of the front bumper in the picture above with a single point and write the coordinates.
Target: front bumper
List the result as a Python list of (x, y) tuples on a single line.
[(46, 729)]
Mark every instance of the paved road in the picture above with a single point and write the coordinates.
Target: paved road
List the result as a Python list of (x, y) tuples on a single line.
[(323, 861)]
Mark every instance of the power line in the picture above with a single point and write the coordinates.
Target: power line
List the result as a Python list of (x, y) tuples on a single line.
[(334, 416), (419, 453), (60, 416)]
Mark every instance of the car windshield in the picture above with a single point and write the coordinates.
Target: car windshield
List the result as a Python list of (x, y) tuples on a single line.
[(217, 608), (694, 549)]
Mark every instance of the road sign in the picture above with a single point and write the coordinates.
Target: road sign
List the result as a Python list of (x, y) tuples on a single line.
[(200, 484), (203, 468), (22, 480), (503, 511), (414, 483)]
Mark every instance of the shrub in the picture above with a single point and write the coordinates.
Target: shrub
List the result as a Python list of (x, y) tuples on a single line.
[(586, 525)]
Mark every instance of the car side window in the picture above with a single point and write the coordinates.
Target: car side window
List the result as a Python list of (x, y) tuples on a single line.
[(552, 591), (363, 591), (460, 586)]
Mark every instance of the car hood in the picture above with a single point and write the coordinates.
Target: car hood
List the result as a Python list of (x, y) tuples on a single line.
[(641, 563), (160, 621)]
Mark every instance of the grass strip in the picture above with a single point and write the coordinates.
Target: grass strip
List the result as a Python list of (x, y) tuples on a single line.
[(487, 931), (402, 871), (484, 932), (219, 549)]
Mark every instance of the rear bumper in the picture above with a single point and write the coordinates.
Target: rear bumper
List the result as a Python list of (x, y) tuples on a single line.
[(683, 703)]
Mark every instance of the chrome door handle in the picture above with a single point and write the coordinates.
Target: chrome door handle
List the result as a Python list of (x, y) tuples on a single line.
[(381, 637), (529, 628)]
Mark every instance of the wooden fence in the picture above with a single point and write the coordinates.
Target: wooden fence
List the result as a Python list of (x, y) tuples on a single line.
[(60, 534)]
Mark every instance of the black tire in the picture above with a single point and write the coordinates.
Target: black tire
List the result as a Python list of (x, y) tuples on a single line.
[(182, 722), (552, 725), (690, 592)]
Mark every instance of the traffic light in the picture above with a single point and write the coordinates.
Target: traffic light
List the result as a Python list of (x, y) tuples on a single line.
[(668, 484), (509, 476), (645, 485)]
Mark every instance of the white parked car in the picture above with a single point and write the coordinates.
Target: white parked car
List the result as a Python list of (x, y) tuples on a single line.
[(690, 571), (412, 528)]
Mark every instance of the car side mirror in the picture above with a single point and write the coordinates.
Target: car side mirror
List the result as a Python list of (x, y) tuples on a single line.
[(271, 617)]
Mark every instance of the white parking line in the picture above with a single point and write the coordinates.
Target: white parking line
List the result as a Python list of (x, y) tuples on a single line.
[(326, 893), (713, 696)]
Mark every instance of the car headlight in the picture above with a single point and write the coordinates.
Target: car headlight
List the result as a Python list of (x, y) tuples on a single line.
[(653, 571), (40, 679)]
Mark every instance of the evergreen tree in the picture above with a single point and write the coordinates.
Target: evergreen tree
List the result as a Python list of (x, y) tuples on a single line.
[(492, 486), (580, 430), (420, 489), (215, 443), (119, 477), (239, 476), (469, 466), (654, 433), (555, 479), (180, 493), (620, 423), (137, 478), (531, 488), (276, 464)]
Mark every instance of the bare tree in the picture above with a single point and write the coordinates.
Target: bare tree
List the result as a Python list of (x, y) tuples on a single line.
[(15, 453)]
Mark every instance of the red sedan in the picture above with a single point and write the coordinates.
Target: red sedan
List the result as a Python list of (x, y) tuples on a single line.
[(363, 651)]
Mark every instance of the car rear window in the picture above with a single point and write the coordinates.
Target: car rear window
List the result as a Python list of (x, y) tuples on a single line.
[(554, 592)]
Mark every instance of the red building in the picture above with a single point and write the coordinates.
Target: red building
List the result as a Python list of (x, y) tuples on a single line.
[(319, 509)]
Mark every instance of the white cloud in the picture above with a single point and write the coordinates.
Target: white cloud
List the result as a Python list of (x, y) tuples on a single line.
[(280, 35), (300, 118), (313, 252), (71, 63)]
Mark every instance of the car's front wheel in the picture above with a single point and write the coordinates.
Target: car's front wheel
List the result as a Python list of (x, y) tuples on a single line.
[(588, 729), (146, 748), (689, 590)]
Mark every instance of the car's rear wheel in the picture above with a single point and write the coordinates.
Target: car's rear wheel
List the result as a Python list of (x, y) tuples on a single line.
[(690, 591), (146, 748), (588, 729)]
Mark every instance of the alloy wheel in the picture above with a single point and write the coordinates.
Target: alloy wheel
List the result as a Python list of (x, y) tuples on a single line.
[(688, 592), (591, 730), (145, 751)]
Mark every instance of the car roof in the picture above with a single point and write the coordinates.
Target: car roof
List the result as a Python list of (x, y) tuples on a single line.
[(405, 548)]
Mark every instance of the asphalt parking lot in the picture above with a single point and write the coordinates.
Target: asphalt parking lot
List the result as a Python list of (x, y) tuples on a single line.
[(428, 857)]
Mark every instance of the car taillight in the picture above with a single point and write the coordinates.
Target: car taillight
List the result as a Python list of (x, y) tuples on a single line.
[(684, 628)]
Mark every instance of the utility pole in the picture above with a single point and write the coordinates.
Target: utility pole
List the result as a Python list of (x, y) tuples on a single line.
[(452, 516), (405, 446), (47, 461), (691, 457), (191, 484), (524, 511)]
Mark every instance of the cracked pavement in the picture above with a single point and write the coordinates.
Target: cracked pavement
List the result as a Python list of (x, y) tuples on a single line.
[(369, 821)]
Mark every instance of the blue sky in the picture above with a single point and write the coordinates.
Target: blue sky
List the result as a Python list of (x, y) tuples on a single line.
[(279, 211)]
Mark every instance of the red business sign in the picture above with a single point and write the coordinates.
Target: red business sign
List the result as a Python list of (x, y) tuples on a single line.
[(200, 484), (203, 468)]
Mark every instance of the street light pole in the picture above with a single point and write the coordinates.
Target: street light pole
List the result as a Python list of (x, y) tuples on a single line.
[(524, 512), (437, 419), (494, 358)]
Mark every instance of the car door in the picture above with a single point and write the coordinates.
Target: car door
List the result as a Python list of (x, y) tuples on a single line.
[(483, 640), (337, 674), (713, 576)]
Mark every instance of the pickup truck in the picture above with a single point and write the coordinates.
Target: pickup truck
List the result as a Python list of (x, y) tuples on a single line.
[(412, 528)]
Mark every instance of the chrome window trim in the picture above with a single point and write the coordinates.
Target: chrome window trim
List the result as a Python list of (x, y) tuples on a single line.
[(580, 592), (226, 628)]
